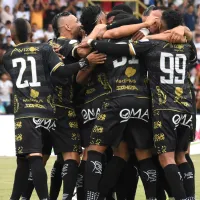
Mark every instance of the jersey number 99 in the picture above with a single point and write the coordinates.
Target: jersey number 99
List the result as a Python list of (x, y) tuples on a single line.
[(174, 66)]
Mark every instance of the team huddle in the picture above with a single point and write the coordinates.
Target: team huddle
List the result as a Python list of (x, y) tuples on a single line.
[(112, 96)]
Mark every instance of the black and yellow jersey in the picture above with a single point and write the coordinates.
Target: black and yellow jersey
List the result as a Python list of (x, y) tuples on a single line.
[(64, 88), (30, 66), (167, 66)]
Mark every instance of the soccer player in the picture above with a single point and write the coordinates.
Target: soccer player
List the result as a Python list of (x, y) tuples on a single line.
[(67, 29), (127, 83), (30, 66), (171, 103)]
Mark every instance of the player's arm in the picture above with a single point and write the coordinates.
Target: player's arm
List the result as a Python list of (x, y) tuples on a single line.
[(178, 32), (57, 67), (120, 49), (193, 57), (166, 37), (83, 75), (128, 30)]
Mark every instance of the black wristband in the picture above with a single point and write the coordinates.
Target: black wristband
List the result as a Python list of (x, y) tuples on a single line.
[(83, 63)]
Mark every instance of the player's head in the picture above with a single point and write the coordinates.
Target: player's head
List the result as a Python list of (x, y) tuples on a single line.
[(67, 25), (21, 31), (92, 16), (170, 19), (111, 15), (124, 8), (156, 12)]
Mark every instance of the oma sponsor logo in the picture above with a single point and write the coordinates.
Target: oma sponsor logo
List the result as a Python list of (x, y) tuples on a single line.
[(127, 114), (182, 119), (90, 114)]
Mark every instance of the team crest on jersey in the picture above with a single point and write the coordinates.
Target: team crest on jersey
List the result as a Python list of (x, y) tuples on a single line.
[(34, 94), (179, 47), (130, 71)]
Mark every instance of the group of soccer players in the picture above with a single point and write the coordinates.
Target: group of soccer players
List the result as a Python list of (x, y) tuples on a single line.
[(111, 90)]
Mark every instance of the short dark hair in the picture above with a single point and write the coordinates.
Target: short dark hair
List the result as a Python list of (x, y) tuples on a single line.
[(21, 29), (123, 7), (172, 18), (190, 5), (89, 18), (122, 16), (8, 22), (55, 22), (114, 13)]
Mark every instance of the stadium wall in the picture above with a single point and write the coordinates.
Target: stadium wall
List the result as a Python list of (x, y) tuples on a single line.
[(7, 136)]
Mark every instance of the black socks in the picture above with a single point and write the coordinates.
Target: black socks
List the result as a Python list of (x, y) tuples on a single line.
[(111, 174), (93, 173), (39, 176), (80, 181), (56, 179), (21, 178), (188, 179), (69, 176), (29, 189), (148, 175), (174, 179)]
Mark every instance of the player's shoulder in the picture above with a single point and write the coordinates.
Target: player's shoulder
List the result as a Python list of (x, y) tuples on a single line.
[(45, 47)]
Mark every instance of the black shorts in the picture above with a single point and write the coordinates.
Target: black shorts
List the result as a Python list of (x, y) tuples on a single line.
[(66, 136), (119, 115), (89, 113), (171, 130), (28, 134)]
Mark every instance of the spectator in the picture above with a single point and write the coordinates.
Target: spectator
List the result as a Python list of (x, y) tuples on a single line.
[(50, 13), (183, 7), (2, 108), (197, 45), (5, 89), (6, 15), (38, 34), (20, 11), (72, 8), (190, 17), (5, 31), (11, 4), (9, 43), (49, 34), (37, 12)]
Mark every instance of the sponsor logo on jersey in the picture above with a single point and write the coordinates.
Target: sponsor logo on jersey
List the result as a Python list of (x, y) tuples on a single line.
[(89, 114), (127, 114), (28, 50)]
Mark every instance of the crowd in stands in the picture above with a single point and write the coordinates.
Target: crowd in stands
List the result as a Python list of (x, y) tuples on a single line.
[(41, 12)]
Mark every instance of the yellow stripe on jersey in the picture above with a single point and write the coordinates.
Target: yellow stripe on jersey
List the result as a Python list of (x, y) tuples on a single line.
[(131, 49), (56, 67)]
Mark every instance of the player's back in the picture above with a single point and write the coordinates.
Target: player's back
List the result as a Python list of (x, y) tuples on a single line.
[(27, 63), (168, 66), (125, 75)]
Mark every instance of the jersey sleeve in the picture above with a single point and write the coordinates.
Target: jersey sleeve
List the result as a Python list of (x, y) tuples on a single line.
[(193, 57), (140, 47), (52, 59), (70, 48)]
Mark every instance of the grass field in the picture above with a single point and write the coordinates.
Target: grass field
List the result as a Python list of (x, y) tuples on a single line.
[(8, 165)]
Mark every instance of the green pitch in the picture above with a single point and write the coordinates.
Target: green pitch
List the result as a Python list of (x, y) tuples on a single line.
[(8, 165)]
